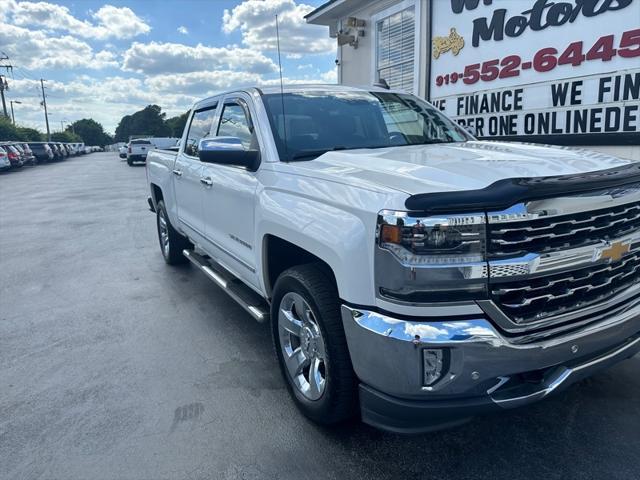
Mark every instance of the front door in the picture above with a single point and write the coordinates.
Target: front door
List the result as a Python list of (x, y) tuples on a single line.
[(229, 200), (187, 173)]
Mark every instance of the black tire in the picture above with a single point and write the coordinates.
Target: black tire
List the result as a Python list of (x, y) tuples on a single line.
[(339, 400), (176, 242)]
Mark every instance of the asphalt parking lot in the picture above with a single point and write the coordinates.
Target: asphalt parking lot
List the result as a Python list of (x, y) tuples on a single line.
[(116, 366)]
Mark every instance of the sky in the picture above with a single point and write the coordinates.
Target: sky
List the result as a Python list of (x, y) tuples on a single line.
[(107, 59)]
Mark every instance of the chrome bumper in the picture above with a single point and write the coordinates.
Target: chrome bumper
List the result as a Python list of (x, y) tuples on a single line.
[(387, 355)]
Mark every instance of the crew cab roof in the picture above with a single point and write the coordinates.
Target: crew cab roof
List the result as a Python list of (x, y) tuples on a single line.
[(293, 88)]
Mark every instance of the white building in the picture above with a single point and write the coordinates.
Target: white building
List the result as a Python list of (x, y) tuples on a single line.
[(565, 73)]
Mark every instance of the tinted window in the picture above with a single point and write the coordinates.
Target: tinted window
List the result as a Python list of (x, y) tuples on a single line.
[(198, 129), (140, 142), (234, 123), (315, 122)]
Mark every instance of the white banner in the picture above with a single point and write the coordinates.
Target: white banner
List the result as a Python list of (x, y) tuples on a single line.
[(537, 67)]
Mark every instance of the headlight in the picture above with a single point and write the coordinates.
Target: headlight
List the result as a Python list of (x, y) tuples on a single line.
[(431, 259), (442, 239)]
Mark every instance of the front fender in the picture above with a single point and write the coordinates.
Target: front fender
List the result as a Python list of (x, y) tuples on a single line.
[(342, 237)]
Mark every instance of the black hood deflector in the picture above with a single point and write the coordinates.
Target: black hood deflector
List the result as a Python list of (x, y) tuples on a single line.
[(503, 194)]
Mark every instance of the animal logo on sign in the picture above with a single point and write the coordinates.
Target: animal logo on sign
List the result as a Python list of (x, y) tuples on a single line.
[(453, 42)]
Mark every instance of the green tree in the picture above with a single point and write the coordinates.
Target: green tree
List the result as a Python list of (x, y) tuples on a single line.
[(176, 124), (66, 137), (123, 129), (150, 121), (90, 131), (8, 131), (30, 134)]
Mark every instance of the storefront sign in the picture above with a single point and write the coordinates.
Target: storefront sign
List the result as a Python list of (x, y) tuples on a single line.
[(560, 72)]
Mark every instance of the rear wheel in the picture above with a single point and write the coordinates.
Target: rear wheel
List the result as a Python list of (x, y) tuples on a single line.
[(311, 346), (172, 243)]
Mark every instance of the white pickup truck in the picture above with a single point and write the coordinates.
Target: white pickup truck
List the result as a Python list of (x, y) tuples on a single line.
[(411, 274), (137, 150)]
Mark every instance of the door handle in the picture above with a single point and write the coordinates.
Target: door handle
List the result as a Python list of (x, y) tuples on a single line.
[(177, 173), (206, 181)]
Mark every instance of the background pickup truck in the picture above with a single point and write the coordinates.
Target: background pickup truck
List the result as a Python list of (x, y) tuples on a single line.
[(411, 274), (137, 151)]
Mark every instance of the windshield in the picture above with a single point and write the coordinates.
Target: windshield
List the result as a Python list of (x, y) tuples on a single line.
[(317, 122)]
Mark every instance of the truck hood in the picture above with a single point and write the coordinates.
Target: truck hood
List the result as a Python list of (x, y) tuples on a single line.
[(453, 166)]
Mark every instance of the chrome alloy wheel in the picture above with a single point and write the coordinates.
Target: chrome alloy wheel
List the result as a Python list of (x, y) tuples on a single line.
[(302, 346), (163, 231)]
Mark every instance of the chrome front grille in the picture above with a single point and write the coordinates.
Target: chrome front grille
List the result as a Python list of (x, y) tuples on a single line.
[(545, 235), (533, 299), (553, 261)]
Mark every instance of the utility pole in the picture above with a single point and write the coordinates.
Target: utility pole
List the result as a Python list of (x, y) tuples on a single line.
[(13, 117), (46, 115), (4, 86)]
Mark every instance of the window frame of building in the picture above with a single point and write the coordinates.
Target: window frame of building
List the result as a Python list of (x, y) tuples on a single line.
[(388, 12)]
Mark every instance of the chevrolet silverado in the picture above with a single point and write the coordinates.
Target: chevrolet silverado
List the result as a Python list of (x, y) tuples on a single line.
[(411, 274)]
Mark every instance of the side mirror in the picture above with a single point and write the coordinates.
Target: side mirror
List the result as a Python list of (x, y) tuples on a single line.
[(228, 151)]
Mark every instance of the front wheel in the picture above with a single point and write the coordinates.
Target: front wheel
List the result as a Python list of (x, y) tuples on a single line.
[(311, 346), (172, 243)]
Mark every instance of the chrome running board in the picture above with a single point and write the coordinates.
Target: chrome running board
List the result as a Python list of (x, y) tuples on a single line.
[(235, 288)]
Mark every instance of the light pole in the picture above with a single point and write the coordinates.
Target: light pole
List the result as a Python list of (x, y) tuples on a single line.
[(13, 117)]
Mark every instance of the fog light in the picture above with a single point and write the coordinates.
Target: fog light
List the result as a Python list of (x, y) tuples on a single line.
[(433, 364)]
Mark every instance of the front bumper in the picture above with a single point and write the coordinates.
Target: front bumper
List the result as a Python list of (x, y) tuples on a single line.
[(483, 370)]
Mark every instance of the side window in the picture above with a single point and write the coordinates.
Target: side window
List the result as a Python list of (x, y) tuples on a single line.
[(234, 123), (198, 129)]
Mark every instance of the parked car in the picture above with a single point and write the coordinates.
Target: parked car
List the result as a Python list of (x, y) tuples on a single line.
[(15, 157), (29, 152), (137, 150), (58, 154), (27, 155), (5, 163), (42, 151), (122, 151), (410, 272), (65, 150)]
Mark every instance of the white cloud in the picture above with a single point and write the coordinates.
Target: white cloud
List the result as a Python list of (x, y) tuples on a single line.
[(106, 100), (120, 22), (330, 76), (256, 21), (203, 84), (45, 37), (154, 58), (34, 49), (117, 22)]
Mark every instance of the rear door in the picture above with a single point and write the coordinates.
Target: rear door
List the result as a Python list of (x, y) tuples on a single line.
[(187, 172)]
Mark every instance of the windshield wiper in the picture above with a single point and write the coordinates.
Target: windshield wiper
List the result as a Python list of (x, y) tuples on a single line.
[(314, 153)]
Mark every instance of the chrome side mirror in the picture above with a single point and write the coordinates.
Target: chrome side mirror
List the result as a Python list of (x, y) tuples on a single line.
[(228, 151)]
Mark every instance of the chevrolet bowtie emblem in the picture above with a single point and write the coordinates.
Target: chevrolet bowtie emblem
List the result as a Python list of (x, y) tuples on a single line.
[(615, 251)]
